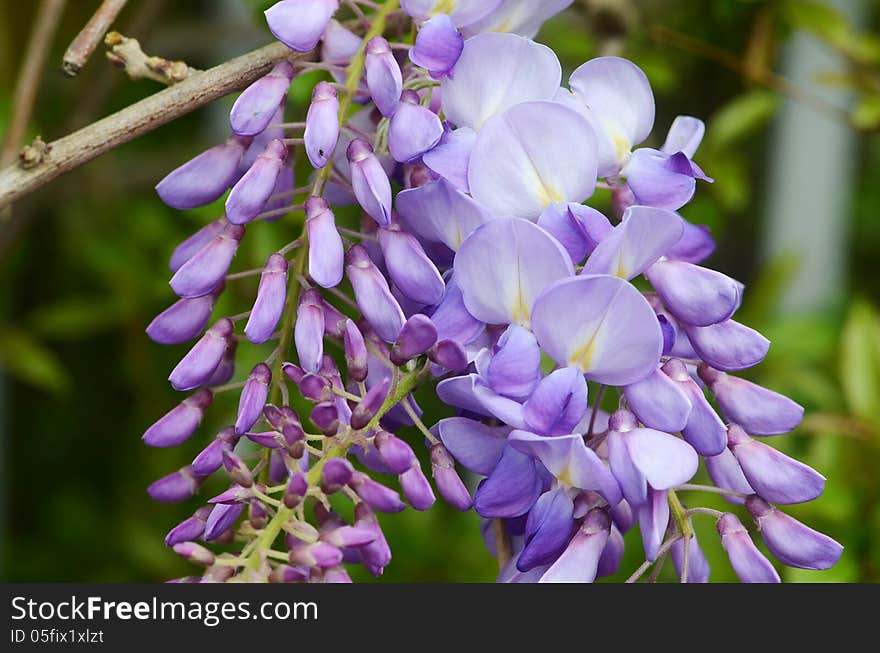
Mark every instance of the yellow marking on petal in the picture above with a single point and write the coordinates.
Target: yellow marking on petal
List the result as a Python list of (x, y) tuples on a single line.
[(548, 194), (622, 146), (583, 357), (520, 310), (445, 7), (622, 271), (564, 477)]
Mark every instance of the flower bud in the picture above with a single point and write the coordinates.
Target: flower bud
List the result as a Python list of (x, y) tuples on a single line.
[(728, 346), (579, 562), (334, 321), (693, 294), (319, 554), (195, 553), (369, 181), (373, 296), (417, 488), (725, 472), (450, 355), (308, 333), (409, 267), (255, 107), (376, 554), (416, 337), (257, 515), (189, 529), (196, 367), (178, 486), (190, 247), (668, 332), (355, 352), (315, 388), (704, 430), (238, 471), (449, 483), (413, 130), (205, 178), (221, 519), (202, 272), (653, 520), (370, 404), (335, 473), (250, 193), (377, 496), (396, 454), (177, 425), (269, 304), (299, 24), (698, 566), (296, 490), (234, 494), (345, 536), (438, 46), (183, 320), (609, 561), (326, 253), (793, 543), (253, 397), (774, 476), (384, 79), (325, 416), (322, 124), (748, 562), (659, 402), (758, 410), (224, 372), (288, 574), (336, 575), (210, 458)]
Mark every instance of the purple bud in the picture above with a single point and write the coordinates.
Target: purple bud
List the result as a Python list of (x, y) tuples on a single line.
[(299, 24), (178, 424), (326, 253), (396, 454), (409, 267), (221, 519), (335, 473), (191, 246), (369, 181), (698, 566), (758, 410), (296, 490), (653, 520), (438, 46), (725, 472), (376, 555), (309, 331), (196, 367), (449, 483), (179, 486), (254, 108), (319, 554), (609, 562), (729, 345), (370, 404), (748, 562), (774, 476), (315, 388), (205, 178), (226, 369), (210, 458), (238, 471), (417, 488), (339, 45), (249, 195), (384, 79), (793, 543), (253, 397), (189, 529), (668, 332), (325, 416), (416, 337), (659, 402), (201, 273), (450, 355), (334, 321), (704, 430), (373, 296), (258, 516), (355, 352), (623, 516), (269, 305), (235, 494), (195, 553), (377, 496), (413, 130), (288, 574), (183, 320), (322, 124), (693, 294), (349, 536), (293, 372)]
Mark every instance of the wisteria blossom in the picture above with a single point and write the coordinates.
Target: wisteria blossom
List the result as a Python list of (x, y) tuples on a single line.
[(591, 359)]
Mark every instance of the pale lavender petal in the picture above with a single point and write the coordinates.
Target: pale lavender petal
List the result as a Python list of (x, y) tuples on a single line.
[(253, 398), (369, 181), (473, 444), (201, 273), (515, 367), (452, 319), (413, 129), (384, 79), (663, 459), (205, 178), (579, 563), (748, 562), (373, 296), (695, 246), (523, 17), (440, 212), (269, 304), (577, 227), (685, 135), (725, 472), (459, 392), (698, 566), (451, 158), (255, 107), (507, 410), (438, 46), (659, 402), (322, 124), (704, 430), (409, 267), (462, 12), (548, 529), (558, 402), (530, 156), (653, 520), (299, 24), (662, 180), (250, 193), (728, 345), (600, 324), (308, 334), (511, 489), (693, 294), (326, 252)]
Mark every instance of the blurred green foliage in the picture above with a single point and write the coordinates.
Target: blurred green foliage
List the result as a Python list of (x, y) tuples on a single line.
[(83, 270)]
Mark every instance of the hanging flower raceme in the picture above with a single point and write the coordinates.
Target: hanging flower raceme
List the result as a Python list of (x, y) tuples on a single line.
[(477, 269)]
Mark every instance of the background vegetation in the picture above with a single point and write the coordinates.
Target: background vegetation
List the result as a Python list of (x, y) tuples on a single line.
[(83, 270)]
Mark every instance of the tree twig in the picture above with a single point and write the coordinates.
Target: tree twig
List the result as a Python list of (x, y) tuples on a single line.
[(87, 40), (31, 72), (126, 53), (140, 118)]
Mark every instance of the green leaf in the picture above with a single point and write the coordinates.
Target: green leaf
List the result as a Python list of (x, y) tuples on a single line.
[(28, 360), (860, 360)]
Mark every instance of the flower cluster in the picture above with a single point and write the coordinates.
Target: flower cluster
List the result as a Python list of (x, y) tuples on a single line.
[(480, 270)]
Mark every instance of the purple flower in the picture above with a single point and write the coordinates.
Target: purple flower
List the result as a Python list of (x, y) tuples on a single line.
[(255, 107), (183, 320), (414, 274), (252, 191), (196, 367), (579, 562), (440, 213), (308, 332), (369, 181), (176, 426), (384, 79), (178, 486), (253, 398), (299, 24), (203, 271), (748, 562), (373, 296), (322, 124), (523, 17), (438, 46), (413, 129), (205, 178), (269, 305)]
